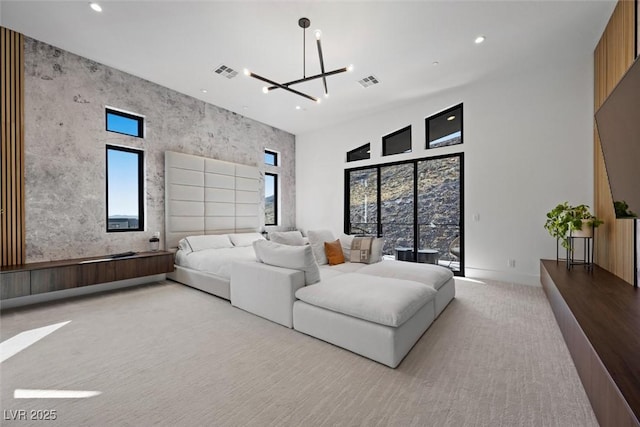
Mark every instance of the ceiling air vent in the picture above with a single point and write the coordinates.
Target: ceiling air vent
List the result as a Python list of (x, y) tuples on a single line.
[(369, 81), (225, 71)]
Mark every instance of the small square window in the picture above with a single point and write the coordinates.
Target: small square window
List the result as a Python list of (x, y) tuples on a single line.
[(397, 142), (444, 128), (125, 123), (360, 153), (270, 158)]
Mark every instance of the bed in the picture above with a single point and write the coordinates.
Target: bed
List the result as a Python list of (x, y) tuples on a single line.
[(209, 197)]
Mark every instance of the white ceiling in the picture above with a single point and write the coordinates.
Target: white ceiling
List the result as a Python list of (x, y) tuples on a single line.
[(178, 44)]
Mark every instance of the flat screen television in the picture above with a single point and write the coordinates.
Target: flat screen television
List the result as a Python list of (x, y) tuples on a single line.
[(618, 124)]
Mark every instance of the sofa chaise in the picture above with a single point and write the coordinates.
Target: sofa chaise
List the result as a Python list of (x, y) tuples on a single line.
[(377, 310)]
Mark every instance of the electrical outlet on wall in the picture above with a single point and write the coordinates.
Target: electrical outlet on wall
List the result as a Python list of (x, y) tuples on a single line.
[(512, 263)]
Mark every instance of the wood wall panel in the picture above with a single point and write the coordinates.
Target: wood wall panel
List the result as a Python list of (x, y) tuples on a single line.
[(614, 248), (12, 163)]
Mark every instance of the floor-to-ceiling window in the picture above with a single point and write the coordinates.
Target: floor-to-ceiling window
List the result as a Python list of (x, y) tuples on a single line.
[(416, 205)]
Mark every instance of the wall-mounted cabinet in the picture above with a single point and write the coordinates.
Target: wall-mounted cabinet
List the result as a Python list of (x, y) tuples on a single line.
[(41, 277)]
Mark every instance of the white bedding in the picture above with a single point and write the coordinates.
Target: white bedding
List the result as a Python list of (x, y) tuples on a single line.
[(215, 261)]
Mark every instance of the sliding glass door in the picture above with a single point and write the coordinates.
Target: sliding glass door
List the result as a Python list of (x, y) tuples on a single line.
[(440, 210), (363, 202), (417, 206), (396, 209)]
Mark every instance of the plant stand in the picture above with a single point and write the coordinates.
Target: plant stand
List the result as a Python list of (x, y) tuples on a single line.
[(587, 252)]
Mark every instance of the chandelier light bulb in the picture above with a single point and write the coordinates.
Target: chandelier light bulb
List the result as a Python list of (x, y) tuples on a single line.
[(318, 34), (318, 101), (265, 89), (246, 72), (350, 68)]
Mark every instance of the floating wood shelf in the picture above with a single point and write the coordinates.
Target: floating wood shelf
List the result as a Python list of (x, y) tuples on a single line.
[(40, 277), (599, 316)]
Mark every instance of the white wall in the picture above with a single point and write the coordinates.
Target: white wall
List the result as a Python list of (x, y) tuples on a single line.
[(527, 144)]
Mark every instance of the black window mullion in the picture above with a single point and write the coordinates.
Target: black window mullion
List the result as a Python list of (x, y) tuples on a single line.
[(416, 226), (379, 199)]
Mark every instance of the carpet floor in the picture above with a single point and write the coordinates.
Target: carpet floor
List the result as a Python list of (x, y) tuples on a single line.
[(166, 354)]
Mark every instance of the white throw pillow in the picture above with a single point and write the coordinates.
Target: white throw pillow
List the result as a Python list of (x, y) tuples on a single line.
[(293, 238), (376, 250), (316, 240), (212, 241), (346, 240), (245, 239), (287, 256)]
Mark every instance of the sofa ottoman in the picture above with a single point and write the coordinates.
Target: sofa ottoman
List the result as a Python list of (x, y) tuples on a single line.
[(377, 317), (436, 277)]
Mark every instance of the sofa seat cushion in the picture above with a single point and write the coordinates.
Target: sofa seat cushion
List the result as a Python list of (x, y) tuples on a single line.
[(380, 300), (428, 274)]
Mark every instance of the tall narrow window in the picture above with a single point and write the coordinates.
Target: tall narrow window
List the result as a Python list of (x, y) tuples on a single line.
[(125, 189), (125, 123), (270, 199), (444, 128)]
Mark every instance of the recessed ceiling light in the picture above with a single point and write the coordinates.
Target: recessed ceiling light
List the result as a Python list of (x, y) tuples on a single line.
[(297, 107), (480, 39), (435, 63), (245, 107), (203, 90), (96, 7), (451, 118)]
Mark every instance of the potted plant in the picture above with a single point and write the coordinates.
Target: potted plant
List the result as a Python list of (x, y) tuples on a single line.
[(622, 210), (566, 221)]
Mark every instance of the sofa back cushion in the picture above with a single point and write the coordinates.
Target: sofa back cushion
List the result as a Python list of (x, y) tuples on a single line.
[(316, 240), (293, 238), (287, 256)]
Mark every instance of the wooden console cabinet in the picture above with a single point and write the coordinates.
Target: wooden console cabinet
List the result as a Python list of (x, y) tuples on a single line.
[(36, 278)]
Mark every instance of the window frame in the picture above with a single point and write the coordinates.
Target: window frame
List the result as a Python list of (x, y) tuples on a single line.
[(395, 133), (443, 113), (367, 145), (141, 192), (138, 118), (275, 198), (275, 158)]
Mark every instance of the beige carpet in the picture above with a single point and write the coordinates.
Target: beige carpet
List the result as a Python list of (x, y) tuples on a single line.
[(166, 354)]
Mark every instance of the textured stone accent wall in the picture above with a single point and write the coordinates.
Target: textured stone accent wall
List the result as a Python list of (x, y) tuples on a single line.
[(65, 152)]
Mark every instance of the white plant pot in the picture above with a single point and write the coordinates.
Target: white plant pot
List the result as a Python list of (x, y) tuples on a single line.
[(586, 231)]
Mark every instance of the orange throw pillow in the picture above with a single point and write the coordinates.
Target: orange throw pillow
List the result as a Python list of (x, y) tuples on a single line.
[(334, 252)]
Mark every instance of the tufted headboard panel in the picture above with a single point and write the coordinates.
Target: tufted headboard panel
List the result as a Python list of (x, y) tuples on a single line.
[(208, 196)]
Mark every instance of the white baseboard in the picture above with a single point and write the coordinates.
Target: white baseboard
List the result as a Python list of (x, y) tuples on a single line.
[(74, 292), (503, 276)]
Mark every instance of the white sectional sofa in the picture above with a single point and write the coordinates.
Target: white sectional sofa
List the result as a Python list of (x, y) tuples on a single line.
[(376, 310)]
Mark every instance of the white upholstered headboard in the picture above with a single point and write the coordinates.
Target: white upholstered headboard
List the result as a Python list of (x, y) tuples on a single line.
[(208, 196)]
